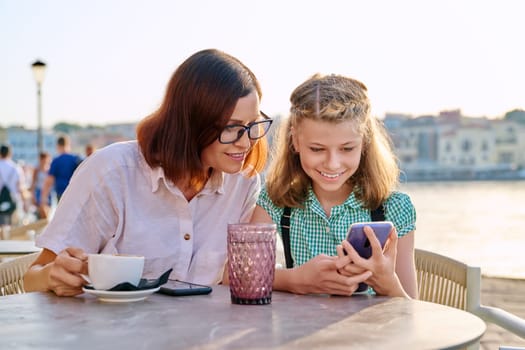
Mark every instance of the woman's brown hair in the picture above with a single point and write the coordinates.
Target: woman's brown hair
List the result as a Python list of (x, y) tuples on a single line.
[(200, 98)]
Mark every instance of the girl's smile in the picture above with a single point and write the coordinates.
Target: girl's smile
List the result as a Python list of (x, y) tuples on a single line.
[(329, 153)]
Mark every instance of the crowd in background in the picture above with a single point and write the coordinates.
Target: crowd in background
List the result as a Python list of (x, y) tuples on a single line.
[(35, 190)]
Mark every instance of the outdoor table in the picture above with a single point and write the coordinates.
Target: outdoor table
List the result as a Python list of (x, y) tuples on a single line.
[(14, 247), (43, 320)]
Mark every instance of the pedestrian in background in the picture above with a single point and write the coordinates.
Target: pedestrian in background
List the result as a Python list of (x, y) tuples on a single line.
[(40, 174), (89, 149), (61, 170), (12, 187)]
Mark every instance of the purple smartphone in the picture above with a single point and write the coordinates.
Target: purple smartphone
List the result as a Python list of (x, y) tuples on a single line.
[(357, 238)]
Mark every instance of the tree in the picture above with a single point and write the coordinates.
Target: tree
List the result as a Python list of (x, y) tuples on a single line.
[(66, 128), (517, 115)]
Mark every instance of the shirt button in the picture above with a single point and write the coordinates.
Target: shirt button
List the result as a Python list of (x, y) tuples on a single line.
[(187, 236), (327, 229)]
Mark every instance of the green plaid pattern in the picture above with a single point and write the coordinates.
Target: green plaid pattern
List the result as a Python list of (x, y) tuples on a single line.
[(312, 233)]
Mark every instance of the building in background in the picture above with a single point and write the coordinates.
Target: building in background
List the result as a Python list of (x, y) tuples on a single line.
[(454, 147), (24, 141), (448, 146)]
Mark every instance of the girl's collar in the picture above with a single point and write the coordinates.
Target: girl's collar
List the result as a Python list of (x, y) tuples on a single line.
[(351, 201)]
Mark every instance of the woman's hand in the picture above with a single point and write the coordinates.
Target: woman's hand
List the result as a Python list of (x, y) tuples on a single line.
[(381, 264), (318, 276), (63, 274)]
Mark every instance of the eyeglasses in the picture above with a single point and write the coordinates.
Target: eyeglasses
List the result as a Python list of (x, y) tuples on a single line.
[(256, 130)]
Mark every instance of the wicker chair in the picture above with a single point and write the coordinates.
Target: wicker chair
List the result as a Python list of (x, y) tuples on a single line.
[(12, 273), (450, 282), (442, 280)]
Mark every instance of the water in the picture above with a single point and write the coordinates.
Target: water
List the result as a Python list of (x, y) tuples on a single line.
[(479, 223)]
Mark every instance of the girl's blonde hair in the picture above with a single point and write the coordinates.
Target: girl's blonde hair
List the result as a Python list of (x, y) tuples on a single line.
[(334, 99)]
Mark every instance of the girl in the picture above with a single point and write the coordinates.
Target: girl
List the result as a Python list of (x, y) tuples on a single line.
[(333, 166), (169, 195)]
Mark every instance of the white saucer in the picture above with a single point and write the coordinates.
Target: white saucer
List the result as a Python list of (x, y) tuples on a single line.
[(121, 297)]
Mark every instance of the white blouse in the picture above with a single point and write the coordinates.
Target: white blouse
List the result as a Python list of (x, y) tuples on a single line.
[(115, 203)]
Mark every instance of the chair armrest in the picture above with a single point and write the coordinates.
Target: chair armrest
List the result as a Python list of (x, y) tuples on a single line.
[(502, 318)]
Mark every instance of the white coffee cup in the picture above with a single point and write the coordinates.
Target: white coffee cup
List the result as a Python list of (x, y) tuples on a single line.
[(106, 270)]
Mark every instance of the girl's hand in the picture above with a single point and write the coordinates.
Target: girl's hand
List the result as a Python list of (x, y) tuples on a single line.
[(382, 264), (318, 276), (345, 265)]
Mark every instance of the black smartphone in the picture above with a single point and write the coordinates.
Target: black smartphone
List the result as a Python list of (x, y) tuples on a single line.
[(180, 288)]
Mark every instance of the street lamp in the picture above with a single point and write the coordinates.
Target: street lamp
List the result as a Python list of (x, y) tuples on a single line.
[(39, 70)]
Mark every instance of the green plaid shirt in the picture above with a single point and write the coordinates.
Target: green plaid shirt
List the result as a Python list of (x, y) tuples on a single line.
[(312, 233)]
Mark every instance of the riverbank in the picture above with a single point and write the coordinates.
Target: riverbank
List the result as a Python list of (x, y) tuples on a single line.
[(477, 222), (509, 295), (467, 174)]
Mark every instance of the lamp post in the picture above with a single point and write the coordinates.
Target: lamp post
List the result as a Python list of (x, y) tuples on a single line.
[(39, 70)]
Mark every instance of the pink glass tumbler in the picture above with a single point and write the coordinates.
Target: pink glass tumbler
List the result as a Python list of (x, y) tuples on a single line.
[(251, 262)]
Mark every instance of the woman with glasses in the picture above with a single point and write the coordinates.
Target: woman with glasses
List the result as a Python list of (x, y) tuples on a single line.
[(169, 195)]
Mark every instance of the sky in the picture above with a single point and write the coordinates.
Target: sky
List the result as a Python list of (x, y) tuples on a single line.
[(109, 61)]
